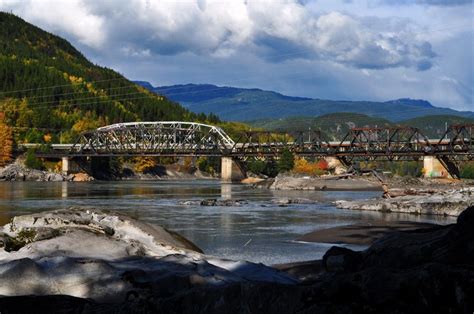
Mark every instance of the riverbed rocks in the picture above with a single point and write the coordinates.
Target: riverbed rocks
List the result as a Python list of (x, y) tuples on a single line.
[(80, 177), (214, 202), (297, 182), (18, 172), (444, 202), (418, 271), (291, 201)]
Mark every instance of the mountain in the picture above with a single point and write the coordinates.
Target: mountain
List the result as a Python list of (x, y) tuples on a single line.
[(333, 125), (411, 102), (49, 92), (336, 125), (193, 93), (240, 104), (435, 126)]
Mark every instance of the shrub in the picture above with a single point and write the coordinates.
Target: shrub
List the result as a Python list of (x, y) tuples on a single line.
[(208, 164), (145, 164), (33, 162), (467, 171), (256, 166), (265, 167), (303, 166)]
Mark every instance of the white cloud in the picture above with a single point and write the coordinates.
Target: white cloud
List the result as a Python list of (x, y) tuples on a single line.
[(66, 17), (219, 29)]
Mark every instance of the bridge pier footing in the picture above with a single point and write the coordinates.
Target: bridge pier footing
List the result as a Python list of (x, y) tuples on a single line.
[(231, 170)]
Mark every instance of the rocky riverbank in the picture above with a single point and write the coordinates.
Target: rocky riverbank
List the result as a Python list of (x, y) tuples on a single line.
[(330, 183), (18, 172), (90, 261), (449, 202)]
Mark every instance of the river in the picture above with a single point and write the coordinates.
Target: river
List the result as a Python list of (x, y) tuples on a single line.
[(259, 231)]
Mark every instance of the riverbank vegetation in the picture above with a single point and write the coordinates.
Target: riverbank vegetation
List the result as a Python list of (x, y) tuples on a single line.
[(467, 170)]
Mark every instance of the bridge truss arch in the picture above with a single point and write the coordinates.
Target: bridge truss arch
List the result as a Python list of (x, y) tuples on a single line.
[(160, 138)]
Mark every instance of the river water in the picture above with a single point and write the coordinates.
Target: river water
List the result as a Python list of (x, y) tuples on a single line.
[(259, 231)]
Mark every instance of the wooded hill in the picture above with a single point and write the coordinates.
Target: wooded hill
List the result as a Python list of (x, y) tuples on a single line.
[(49, 92)]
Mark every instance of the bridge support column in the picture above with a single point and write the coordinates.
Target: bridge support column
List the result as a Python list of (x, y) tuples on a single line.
[(65, 166), (433, 168), (336, 165), (231, 170)]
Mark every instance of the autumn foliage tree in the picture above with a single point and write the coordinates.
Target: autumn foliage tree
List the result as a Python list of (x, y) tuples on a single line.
[(6, 141), (303, 166), (145, 164)]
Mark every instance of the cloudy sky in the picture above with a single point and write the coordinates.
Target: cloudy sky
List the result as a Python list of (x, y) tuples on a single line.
[(334, 49)]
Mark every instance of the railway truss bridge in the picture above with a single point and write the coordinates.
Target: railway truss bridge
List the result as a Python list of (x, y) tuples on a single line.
[(179, 139)]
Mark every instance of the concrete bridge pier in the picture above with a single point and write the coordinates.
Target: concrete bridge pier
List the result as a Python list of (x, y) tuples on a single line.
[(231, 170), (434, 167), (69, 166), (65, 167)]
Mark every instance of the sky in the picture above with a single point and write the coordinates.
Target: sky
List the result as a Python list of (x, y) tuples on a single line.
[(329, 49)]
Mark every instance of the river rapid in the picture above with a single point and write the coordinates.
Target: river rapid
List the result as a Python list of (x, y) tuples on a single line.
[(260, 230)]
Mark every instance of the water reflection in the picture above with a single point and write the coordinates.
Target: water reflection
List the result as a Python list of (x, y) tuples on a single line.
[(222, 231), (226, 191)]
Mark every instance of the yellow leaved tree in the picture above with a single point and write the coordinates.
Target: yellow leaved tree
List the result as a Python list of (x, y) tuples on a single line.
[(145, 164), (6, 141)]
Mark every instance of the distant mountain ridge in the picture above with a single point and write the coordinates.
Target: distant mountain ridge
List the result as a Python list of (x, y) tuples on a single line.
[(242, 104), (336, 125)]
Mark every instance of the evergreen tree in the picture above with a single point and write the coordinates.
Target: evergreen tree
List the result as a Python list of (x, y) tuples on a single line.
[(287, 161), (33, 162)]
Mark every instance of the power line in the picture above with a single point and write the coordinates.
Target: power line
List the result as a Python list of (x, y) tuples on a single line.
[(55, 86), (153, 94), (401, 114)]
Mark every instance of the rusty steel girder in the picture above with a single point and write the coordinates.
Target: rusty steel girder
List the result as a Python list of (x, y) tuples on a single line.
[(196, 139)]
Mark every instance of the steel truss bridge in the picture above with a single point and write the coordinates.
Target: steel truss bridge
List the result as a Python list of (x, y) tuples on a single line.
[(195, 139)]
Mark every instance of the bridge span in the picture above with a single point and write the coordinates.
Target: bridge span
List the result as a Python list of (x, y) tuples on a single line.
[(176, 139)]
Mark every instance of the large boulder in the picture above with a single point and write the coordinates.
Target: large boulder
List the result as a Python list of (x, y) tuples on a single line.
[(109, 257)]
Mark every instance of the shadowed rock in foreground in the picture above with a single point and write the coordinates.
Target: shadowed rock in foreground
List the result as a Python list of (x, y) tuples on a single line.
[(422, 271)]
